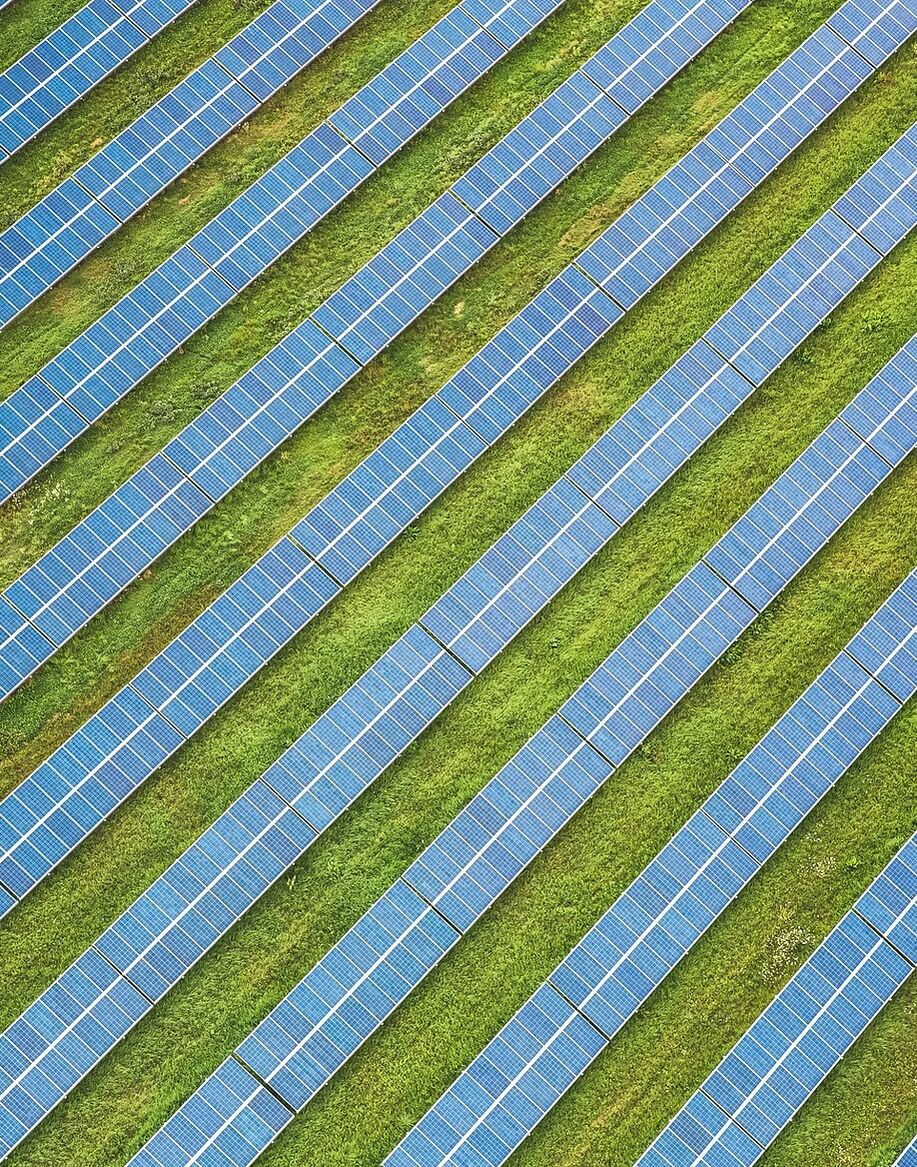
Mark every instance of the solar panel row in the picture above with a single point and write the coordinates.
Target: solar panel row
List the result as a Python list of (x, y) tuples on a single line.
[(538, 1055), (225, 646), (207, 890), (191, 286), (71, 60), (804, 1033), (270, 826), (908, 1157), (115, 543), (348, 995), (215, 98)]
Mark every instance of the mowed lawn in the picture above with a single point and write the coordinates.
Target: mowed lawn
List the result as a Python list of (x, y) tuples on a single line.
[(866, 1111)]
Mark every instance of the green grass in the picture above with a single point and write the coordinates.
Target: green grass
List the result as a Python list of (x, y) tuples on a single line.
[(866, 1111)]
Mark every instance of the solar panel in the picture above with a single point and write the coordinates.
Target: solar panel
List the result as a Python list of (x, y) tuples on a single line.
[(798, 515), (201, 670), (66, 225), (658, 663), (881, 208), (909, 1157), (512, 1084), (520, 574), (229, 1122), (374, 721), (472, 862), (46, 1050), (786, 1054), (72, 59), (886, 415), (654, 922)]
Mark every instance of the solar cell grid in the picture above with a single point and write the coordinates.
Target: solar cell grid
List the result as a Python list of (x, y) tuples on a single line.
[(507, 824), (478, 616), (796, 517), (881, 207), (58, 71), (908, 1157), (202, 894)]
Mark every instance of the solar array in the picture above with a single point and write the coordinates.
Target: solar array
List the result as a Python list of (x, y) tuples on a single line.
[(164, 498), (215, 98), (804, 1033), (360, 982), (270, 826), (167, 702), (544, 1048), (73, 59), (242, 241), (909, 1157)]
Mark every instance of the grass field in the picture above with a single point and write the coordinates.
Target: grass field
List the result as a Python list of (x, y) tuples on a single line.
[(866, 1111)]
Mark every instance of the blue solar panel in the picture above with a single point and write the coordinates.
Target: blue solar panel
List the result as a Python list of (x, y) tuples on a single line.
[(909, 1157), (145, 157), (803, 1033), (772, 790), (508, 22), (34, 426), (52, 810), (72, 59), (789, 104), (45, 242), (668, 221), (507, 824), (107, 550), (204, 892), (46, 1051), (882, 206), (520, 574), (647, 931), (875, 27), (810, 1025), (388, 490), (660, 432), (368, 311), (334, 761), (885, 412), (890, 904), (653, 668), (252, 417), (507, 1089), (882, 645), (540, 152), (231, 639), (229, 1120), (797, 516), (284, 39), (136, 334), (417, 85), (348, 994), (529, 354), (137, 164), (22, 647), (281, 207), (630, 65), (793, 297)]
